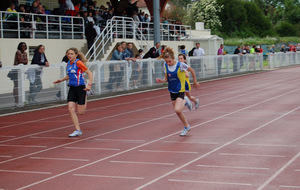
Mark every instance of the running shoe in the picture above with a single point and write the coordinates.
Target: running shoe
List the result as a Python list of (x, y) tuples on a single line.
[(185, 131), (197, 104), (188, 103), (76, 133)]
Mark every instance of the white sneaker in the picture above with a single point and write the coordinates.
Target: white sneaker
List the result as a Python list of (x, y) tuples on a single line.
[(75, 134), (197, 104), (188, 103), (185, 131)]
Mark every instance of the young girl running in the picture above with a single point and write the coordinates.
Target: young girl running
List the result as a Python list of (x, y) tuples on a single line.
[(175, 76), (78, 90), (188, 88)]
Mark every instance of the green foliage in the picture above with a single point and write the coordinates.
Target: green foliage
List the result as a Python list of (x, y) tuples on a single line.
[(286, 29), (205, 11), (175, 13), (266, 40)]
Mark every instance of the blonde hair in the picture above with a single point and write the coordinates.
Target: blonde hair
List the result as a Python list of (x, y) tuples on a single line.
[(167, 53), (79, 54)]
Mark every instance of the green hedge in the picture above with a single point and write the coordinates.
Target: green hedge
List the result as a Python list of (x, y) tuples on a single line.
[(267, 40)]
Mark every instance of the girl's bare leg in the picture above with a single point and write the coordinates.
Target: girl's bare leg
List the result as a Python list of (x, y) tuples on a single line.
[(178, 105)]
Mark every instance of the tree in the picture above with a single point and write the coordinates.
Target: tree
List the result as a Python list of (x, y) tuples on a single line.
[(205, 11)]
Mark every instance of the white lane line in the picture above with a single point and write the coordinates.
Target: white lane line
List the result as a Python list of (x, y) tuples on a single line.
[(297, 170), (59, 159), (191, 142), (255, 155), (7, 136), (55, 138), (87, 148), (290, 187), (228, 143), (278, 172), (162, 151), (106, 176), (122, 140), (233, 167), (29, 172), (151, 163), (3, 156), (210, 182), (24, 146), (164, 137), (271, 145), (221, 172)]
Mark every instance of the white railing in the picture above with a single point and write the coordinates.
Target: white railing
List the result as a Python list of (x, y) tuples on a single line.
[(127, 28), (40, 26), (109, 77), (280, 59)]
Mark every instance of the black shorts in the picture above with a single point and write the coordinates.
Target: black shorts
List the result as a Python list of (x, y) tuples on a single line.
[(77, 94), (174, 96)]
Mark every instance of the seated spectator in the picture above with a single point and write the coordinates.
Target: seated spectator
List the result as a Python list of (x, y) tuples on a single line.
[(34, 8), (84, 7), (92, 9), (13, 15), (98, 19), (90, 17), (101, 10), (146, 19), (70, 9)]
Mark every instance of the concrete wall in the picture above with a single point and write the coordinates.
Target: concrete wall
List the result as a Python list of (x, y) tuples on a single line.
[(54, 49)]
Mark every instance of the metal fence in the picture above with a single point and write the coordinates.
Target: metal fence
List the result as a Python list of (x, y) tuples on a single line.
[(40, 26), (280, 59), (24, 85)]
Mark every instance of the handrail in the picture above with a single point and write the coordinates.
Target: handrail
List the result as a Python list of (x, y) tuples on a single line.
[(127, 28), (41, 26)]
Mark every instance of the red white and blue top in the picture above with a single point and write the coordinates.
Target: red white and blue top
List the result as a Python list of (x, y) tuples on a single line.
[(76, 73)]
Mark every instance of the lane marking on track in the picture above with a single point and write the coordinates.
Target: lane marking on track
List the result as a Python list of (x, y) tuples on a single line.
[(228, 143), (121, 140), (60, 159), (3, 156), (88, 148), (24, 146), (248, 155), (221, 172), (176, 133), (212, 143), (234, 167), (29, 172), (278, 172), (55, 138), (7, 136), (210, 182), (274, 145), (165, 151), (297, 170), (286, 186), (150, 163), (106, 176)]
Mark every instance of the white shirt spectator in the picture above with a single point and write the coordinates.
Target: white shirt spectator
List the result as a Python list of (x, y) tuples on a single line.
[(199, 52), (70, 5)]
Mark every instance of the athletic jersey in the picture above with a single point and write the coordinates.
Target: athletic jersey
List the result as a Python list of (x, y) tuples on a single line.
[(176, 77), (76, 73), (187, 84)]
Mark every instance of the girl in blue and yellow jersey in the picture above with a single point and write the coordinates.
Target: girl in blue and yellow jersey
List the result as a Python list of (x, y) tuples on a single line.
[(77, 91), (188, 88), (175, 76)]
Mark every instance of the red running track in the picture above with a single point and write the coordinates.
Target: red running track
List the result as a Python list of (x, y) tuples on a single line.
[(244, 136)]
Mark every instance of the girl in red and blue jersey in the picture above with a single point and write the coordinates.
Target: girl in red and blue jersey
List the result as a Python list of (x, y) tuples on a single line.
[(77, 91), (175, 76)]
